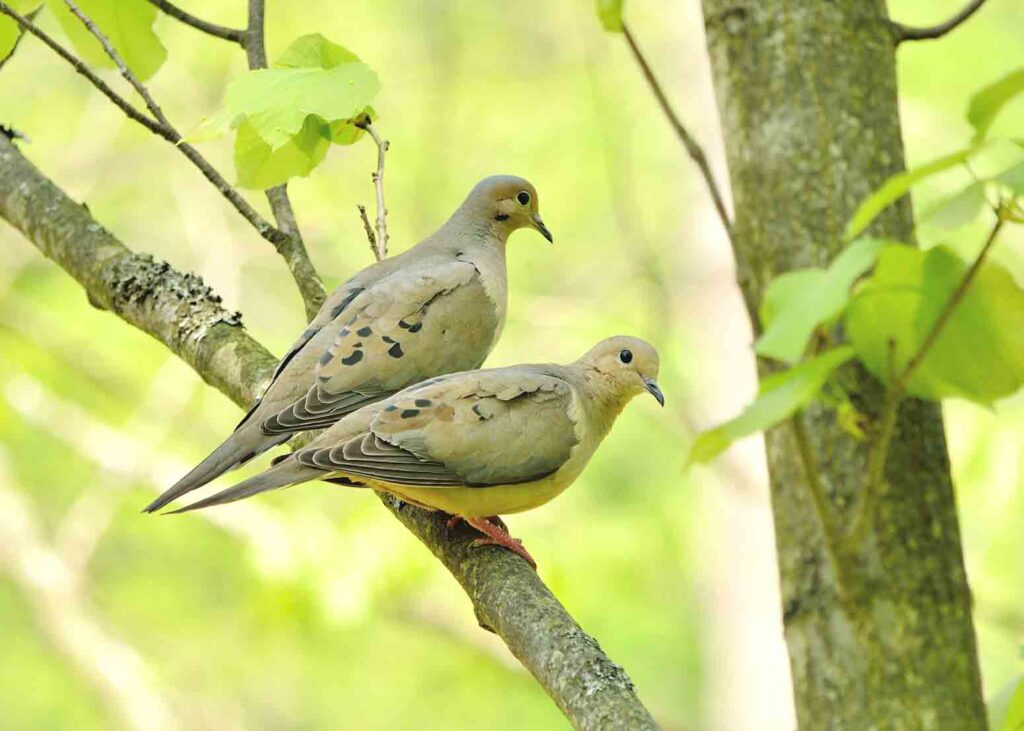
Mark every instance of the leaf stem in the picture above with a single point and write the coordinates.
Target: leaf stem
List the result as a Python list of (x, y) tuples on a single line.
[(894, 393)]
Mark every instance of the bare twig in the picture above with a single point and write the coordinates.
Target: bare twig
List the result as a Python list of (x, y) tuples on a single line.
[(693, 149), (17, 41), (909, 33), (313, 293), (381, 249), (897, 389), (508, 596), (286, 245), (370, 236), (119, 101), (219, 31), (131, 78)]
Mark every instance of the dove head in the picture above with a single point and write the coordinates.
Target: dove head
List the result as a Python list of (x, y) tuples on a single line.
[(504, 203), (623, 367)]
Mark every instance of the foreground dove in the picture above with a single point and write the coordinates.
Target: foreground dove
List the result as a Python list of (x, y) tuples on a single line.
[(437, 308), (476, 444)]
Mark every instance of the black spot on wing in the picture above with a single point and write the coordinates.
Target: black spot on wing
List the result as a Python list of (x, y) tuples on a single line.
[(403, 324), (386, 339), (423, 402), (409, 413), (416, 328), (395, 351), (355, 357), (391, 407), (326, 358), (364, 332), (480, 414)]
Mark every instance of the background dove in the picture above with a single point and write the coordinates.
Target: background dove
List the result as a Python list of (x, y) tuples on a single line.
[(479, 443), (437, 308)]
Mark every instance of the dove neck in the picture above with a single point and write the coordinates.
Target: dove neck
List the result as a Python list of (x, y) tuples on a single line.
[(602, 402), (473, 227)]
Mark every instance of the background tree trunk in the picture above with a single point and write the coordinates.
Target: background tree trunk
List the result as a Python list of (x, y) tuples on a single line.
[(807, 95)]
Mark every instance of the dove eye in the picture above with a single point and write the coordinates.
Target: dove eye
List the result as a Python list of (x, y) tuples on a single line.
[(523, 197), (626, 356)]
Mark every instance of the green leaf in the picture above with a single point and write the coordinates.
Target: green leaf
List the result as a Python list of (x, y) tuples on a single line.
[(276, 102), (896, 187), (609, 12), (1006, 710), (979, 355), (780, 395), (986, 104), (799, 301), (315, 51), (9, 29), (260, 167), (1013, 178), (212, 127), (127, 24), (958, 210)]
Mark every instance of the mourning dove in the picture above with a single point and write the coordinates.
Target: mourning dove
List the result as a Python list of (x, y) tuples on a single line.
[(437, 308), (479, 443)]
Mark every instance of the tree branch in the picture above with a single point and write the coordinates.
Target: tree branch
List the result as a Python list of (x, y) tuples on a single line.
[(185, 315), (380, 249), (693, 149), (17, 41), (294, 253), (299, 263), (909, 33), (228, 34)]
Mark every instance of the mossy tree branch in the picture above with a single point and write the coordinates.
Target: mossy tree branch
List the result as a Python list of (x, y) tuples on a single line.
[(183, 313)]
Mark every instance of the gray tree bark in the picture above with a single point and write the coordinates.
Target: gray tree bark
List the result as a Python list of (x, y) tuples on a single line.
[(881, 637)]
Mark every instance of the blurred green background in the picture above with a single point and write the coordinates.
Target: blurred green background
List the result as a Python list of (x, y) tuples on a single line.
[(313, 608)]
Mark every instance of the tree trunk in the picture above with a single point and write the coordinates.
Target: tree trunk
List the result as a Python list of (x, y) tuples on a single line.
[(807, 95)]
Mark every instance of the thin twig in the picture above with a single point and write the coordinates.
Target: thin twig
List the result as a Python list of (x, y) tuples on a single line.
[(897, 388), (301, 266), (298, 263), (219, 31), (693, 149), (909, 33), (378, 184), (17, 41), (370, 236), (829, 524), (119, 101), (131, 78)]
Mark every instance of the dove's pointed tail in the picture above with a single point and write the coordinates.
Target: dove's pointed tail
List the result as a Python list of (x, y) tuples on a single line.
[(285, 473), (239, 448)]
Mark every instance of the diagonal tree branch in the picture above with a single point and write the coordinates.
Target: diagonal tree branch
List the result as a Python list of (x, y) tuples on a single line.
[(218, 31), (910, 33), (21, 35), (289, 247), (693, 148), (180, 311)]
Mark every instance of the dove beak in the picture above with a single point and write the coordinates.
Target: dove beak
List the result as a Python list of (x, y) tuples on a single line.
[(538, 222), (654, 390)]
